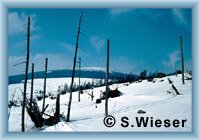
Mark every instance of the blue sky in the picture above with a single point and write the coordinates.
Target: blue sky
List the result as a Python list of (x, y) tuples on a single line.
[(139, 38)]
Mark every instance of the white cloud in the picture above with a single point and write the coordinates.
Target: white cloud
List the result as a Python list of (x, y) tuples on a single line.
[(17, 23), (55, 61), (172, 59), (35, 37), (23, 43), (188, 65), (98, 42), (122, 64), (12, 61), (118, 11), (150, 13), (69, 47), (179, 18), (178, 14)]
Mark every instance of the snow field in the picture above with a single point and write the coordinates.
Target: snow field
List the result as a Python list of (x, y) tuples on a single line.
[(88, 116)]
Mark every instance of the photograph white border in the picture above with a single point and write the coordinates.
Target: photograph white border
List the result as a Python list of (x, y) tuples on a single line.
[(193, 4)]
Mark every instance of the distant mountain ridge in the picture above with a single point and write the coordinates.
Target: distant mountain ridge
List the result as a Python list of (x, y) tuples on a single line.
[(88, 72)]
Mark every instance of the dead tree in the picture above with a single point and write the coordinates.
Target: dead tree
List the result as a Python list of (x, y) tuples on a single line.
[(182, 60), (35, 115), (26, 74), (32, 80), (79, 81), (11, 103), (74, 65), (174, 88), (92, 96), (57, 114), (107, 76), (170, 81), (44, 93)]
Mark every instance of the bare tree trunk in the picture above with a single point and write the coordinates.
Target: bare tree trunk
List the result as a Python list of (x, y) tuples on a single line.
[(79, 81), (92, 96), (57, 114), (182, 60), (107, 76), (32, 80), (26, 74), (73, 71), (45, 76), (178, 93)]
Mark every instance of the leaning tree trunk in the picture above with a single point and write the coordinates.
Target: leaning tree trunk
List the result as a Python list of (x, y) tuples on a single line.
[(45, 77), (26, 74), (73, 71), (174, 88)]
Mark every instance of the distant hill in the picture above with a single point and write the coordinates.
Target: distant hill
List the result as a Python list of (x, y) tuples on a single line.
[(88, 72)]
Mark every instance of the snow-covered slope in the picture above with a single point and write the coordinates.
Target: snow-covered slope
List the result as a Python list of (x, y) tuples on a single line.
[(93, 69), (158, 100)]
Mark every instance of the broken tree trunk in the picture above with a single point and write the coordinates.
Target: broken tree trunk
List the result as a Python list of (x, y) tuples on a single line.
[(57, 114), (92, 96), (170, 81), (175, 89), (35, 115), (45, 77)]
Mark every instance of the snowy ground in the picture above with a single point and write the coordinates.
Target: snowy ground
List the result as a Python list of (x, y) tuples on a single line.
[(154, 98)]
